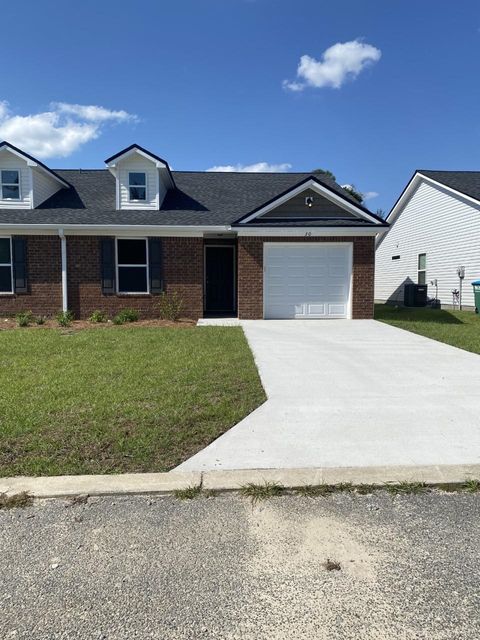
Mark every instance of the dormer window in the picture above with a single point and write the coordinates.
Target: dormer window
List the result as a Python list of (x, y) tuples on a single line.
[(137, 186), (10, 185)]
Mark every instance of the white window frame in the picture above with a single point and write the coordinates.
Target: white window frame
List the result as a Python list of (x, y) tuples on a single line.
[(419, 271), (6, 264), (136, 186), (142, 266), (10, 184)]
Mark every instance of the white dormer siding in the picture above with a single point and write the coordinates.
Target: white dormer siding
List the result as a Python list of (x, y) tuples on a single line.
[(43, 187), (9, 161), (155, 191)]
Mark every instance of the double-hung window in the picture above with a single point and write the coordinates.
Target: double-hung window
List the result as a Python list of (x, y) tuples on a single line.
[(6, 265), (10, 184), (422, 268), (137, 186), (132, 265)]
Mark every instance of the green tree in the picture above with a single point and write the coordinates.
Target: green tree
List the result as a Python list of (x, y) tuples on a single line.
[(350, 188), (325, 172)]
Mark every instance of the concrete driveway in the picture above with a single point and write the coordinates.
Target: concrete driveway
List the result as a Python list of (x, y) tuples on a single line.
[(353, 393)]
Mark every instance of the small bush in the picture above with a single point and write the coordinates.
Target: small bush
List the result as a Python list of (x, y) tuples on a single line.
[(64, 318), (98, 316), (40, 319), (24, 318), (170, 306), (126, 315)]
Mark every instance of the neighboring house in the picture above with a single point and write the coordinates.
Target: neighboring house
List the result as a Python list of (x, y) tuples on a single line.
[(285, 245), (435, 228)]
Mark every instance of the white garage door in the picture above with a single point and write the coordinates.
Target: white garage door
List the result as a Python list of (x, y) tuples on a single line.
[(307, 280)]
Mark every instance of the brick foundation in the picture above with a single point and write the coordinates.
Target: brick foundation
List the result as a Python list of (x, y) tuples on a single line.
[(250, 273)]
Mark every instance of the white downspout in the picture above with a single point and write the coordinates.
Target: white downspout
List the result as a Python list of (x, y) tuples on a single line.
[(63, 246)]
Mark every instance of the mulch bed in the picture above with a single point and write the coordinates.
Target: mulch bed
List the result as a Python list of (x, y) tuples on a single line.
[(76, 325)]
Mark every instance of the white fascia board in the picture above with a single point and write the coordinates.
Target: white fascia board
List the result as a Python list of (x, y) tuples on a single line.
[(323, 191), (413, 184), (313, 232), (111, 230), (32, 163)]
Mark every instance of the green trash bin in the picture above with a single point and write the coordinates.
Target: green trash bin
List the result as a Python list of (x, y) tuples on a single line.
[(476, 294)]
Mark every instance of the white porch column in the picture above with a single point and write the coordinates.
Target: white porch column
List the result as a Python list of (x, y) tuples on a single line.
[(63, 247)]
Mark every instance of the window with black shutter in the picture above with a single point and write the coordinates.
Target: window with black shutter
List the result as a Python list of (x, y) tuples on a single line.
[(107, 256), (19, 252), (6, 267)]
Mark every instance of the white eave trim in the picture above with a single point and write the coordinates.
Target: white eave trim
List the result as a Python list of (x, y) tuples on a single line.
[(321, 190), (32, 163), (413, 184), (127, 154), (113, 230), (314, 232)]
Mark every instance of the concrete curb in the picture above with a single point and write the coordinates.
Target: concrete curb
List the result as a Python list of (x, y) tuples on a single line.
[(167, 483)]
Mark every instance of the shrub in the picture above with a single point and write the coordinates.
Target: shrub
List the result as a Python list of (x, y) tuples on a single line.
[(24, 318), (40, 319), (170, 306), (126, 315), (64, 318), (98, 316)]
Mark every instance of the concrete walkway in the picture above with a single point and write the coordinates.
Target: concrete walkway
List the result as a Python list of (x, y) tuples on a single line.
[(352, 394)]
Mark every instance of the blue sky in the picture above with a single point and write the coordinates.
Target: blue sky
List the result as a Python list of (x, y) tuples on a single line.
[(202, 83)]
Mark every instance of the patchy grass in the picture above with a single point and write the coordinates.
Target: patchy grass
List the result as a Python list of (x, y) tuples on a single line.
[(366, 489), (129, 399), (310, 490), (471, 485), (457, 328), (405, 487), (16, 501), (189, 493), (258, 492)]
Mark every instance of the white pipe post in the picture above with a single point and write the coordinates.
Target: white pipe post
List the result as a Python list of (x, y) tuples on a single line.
[(63, 245)]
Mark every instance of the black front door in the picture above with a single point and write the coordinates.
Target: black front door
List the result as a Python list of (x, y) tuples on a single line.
[(219, 279)]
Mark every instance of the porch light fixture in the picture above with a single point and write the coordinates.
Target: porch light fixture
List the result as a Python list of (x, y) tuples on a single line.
[(309, 201)]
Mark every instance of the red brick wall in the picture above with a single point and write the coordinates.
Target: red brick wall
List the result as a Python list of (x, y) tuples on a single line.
[(250, 273), (183, 272), (44, 272)]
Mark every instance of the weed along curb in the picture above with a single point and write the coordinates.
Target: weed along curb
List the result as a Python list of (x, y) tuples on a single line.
[(256, 483)]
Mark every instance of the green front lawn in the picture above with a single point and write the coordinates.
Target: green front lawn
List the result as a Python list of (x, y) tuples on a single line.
[(458, 328), (117, 400)]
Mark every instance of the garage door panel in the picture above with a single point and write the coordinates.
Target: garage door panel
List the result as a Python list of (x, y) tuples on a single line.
[(307, 280)]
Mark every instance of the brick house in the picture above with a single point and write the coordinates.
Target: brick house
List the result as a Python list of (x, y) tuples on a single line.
[(252, 245)]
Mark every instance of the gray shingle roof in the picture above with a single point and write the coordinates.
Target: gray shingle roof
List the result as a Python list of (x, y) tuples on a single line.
[(200, 198), (467, 182)]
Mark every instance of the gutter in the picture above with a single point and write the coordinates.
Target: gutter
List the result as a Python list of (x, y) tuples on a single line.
[(63, 248)]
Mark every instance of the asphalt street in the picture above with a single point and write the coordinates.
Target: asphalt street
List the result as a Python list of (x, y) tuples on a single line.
[(219, 567)]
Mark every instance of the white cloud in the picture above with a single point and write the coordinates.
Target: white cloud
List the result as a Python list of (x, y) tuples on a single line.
[(258, 167), (368, 195), (340, 62), (92, 113), (57, 132)]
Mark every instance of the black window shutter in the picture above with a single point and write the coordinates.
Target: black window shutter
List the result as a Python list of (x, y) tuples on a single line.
[(155, 265), (19, 247), (107, 257)]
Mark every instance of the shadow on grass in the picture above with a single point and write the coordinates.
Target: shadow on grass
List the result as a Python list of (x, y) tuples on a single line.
[(436, 316)]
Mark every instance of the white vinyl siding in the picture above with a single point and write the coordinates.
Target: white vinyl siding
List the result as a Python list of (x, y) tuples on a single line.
[(137, 163), (9, 161), (43, 187), (446, 228)]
